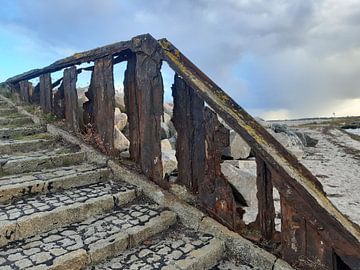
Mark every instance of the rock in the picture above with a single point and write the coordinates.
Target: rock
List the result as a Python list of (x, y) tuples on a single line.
[(125, 154), (119, 101), (168, 108), (290, 141), (238, 148), (172, 140), (121, 143), (263, 122), (306, 139), (244, 180), (169, 128), (166, 145), (169, 162), (278, 128), (353, 125), (120, 119), (165, 131), (182, 192)]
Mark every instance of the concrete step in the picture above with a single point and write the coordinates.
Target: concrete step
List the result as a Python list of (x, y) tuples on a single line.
[(231, 264), (38, 160), (81, 244), (11, 133), (20, 120), (8, 147), (13, 187), (31, 216), (179, 248), (7, 110)]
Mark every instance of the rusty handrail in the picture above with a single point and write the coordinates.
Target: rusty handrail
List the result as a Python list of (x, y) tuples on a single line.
[(291, 175)]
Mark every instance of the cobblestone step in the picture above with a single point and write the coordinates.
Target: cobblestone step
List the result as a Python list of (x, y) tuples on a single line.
[(8, 147), (81, 244), (13, 187), (180, 248), (38, 160), (36, 214), (21, 120), (9, 133)]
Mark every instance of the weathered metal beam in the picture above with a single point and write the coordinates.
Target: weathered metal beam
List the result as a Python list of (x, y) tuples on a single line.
[(215, 192), (25, 90), (46, 95), (100, 107), (59, 102), (302, 182), (188, 119), (143, 87), (72, 115), (266, 211)]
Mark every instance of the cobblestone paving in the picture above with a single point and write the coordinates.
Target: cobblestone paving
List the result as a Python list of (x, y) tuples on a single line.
[(47, 174), (42, 250), (43, 203), (159, 251)]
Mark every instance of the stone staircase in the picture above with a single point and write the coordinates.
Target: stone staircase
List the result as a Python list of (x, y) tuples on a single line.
[(60, 210)]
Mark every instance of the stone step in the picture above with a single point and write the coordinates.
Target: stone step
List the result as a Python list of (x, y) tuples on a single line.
[(38, 160), (177, 249), (231, 264), (7, 110), (9, 133), (21, 120), (81, 244), (31, 216), (8, 147), (50, 180)]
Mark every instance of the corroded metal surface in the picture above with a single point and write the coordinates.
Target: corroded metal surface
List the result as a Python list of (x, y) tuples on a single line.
[(313, 229)]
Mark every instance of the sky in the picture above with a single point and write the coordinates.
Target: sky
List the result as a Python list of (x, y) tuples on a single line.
[(278, 59)]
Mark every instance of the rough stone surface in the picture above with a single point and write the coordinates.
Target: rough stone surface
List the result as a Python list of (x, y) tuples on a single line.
[(121, 143), (179, 249), (169, 161), (238, 148), (91, 238), (120, 119), (31, 215)]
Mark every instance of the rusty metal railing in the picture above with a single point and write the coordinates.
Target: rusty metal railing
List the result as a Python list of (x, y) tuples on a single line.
[(314, 233)]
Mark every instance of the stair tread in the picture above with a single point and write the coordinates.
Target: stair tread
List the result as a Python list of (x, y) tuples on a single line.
[(48, 174), (89, 235), (47, 202), (228, 264), (13, 187), (40, 153), (171, 250)]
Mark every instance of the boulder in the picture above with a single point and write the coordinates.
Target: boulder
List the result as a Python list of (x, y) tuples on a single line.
[(263, 122), (168, 108), (119, 101), (120, 119), (166, 145), (169, 128), (290, 141), (306, 139), (238, 148), (243, 180), (169, 161), (121, 143), (165, 131)]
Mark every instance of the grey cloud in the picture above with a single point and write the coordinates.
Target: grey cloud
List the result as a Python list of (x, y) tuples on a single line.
[(306, 51)]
